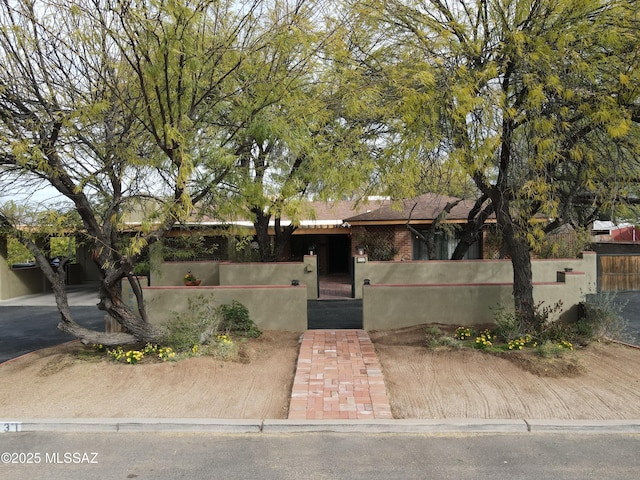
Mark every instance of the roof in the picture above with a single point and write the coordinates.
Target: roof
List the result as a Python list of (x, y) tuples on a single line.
[(372, 211), (427, 208)]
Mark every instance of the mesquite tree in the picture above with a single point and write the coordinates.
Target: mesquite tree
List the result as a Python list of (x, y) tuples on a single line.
[(105, 102), (533, 99)]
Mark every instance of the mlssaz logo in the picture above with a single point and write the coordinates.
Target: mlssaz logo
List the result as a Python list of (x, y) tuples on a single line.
[(71, 457)]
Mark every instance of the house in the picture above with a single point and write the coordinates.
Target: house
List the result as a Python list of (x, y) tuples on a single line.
[(388, 224), (377, 226), (606, 231), (338, 230)]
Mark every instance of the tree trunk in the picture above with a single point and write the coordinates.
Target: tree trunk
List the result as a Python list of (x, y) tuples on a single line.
[(472, 230), (518, 249), (261, 225), (111, 302), (282, 240), (138, 329)]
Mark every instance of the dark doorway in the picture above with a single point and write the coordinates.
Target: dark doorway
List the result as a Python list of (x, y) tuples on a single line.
[(333, 251), (338, 254)]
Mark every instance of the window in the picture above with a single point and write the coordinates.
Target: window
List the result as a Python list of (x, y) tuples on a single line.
[(445, 245)]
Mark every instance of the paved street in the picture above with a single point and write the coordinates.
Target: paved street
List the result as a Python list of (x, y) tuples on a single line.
[(320, 456), (631, 313), (30, 323)]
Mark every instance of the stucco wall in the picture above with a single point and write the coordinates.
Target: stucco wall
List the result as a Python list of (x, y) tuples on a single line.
[(397, 306), (16, 283), (172, 273), (280, 273), (469, 271), (250, 273), (271, 307), (4, 269)]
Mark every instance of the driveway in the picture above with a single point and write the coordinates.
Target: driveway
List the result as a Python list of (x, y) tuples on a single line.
[(631, 313), (30, 323)]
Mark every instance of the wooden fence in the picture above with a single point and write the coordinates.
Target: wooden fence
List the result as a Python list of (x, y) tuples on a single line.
[(618, 272)]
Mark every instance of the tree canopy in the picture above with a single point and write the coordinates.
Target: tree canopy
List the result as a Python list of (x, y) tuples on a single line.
[(114, 104), (533, 99)]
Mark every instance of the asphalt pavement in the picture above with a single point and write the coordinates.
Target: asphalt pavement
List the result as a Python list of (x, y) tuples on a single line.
[(334, 314), (319, 455), (630, 305), (30, 323)]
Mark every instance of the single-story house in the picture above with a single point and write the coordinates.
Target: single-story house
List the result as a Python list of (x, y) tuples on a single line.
[(343, 228)]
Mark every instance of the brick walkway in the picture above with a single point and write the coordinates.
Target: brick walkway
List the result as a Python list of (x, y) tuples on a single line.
[(338, 377)]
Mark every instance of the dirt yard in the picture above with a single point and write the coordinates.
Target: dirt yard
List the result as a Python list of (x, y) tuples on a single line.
[(600, 382)]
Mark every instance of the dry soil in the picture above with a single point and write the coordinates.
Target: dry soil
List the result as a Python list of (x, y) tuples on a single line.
[(601, 381)]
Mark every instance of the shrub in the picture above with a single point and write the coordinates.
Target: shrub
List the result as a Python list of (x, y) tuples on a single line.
[(508, 325), (434, 338), (603, 317), (195, 326), (554, 350), (225, 348), (235, 319), (512, 325)]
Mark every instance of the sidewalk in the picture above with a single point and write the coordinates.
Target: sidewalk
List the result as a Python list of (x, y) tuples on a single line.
[(338, 377)]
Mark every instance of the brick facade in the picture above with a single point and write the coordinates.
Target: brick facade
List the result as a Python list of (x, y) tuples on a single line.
[(388, 238)]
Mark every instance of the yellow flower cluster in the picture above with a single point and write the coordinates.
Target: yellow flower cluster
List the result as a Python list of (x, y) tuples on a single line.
[(484, 340), (133, 356), (462, 333), (520, 343), (565, 344), (166, 353)]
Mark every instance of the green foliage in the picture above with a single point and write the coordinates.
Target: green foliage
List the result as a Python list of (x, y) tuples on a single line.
[(484, 341), (235, 319), (508, 325), (463, 333), (204, 324), (187, 247), (225, 347), (550, 349), (132, 357), (603, 318), (567, 245), (17, 252), (544, 122), (512, 325), (521, 343), (436, 338), (59, 247), (196, 326)]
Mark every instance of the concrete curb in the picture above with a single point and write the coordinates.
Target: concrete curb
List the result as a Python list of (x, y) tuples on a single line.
[(279, 426), (584, 426), (112, 425), (394, 426)]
